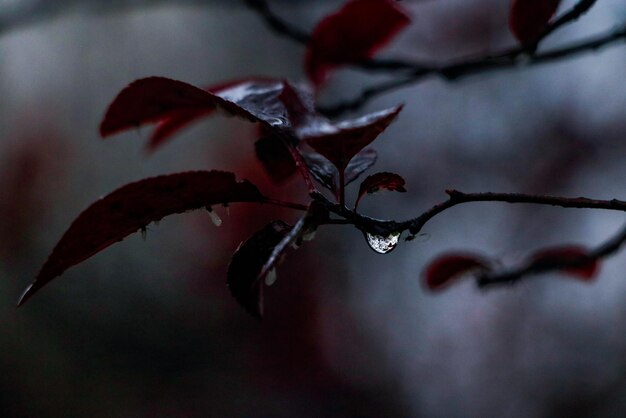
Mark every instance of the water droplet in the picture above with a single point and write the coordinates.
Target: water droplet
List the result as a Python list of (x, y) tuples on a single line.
[(382, 245), (217, 221), (270, 279), (144, 233)]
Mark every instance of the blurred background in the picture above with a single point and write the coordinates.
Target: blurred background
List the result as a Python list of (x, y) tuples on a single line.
[(148, 328)]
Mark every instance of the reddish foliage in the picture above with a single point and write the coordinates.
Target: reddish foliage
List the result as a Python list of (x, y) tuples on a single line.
[(342, 141), (378, 181), (564, 255), (351, 35), (175, 104), (441, 271), (324, 172), (529, 18), (275, 157), (133, 207), (247, 263)]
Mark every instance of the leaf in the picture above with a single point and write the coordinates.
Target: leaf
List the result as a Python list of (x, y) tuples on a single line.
[(342, 141), (378, 181), (351, 35), (326, 173), (275, 157), (257, 257), (305, 226), (359, 164), (322, 170), (529, 18), (155, 99), (134, 206), (247, 262), (173, 124), (586, 267), (444, 269)]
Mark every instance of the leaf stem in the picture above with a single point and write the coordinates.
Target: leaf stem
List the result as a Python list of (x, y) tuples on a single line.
[(342, 188), (284, 204)]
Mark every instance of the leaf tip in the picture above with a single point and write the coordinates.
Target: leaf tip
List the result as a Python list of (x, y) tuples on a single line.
[(28, 292)]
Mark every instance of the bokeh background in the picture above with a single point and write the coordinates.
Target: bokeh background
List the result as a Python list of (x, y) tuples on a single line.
[(148, 328)]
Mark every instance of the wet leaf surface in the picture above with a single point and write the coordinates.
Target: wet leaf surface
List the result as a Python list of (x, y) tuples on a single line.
[(244, 281), (134, 206), (380, 181)]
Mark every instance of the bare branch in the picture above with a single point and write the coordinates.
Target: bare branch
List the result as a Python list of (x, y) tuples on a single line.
[(456, 198)]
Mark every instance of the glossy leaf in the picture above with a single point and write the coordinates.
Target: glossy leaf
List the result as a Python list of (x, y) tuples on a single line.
[(133, 207), (548, 258), (351, 35), (359, 164), (340, 142), (380, 181), (306, 226), (529, 18), (244, 280), (322, 170), (444, 269), (326, 174), (176, 103)]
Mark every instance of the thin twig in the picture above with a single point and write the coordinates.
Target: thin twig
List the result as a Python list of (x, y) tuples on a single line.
[(414, 71), (457, 70), (456, 198)]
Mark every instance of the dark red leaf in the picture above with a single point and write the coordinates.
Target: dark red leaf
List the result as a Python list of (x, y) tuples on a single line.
[(300, 105), (378, 181), (441, 271), (342, 141), (322, 170), (248, 260), (155, 99), (276, 158), (175, 122), (304, 229), (326, 173), (567, 255), (133, 207), (529, 18), (359, 164), (352, 34)]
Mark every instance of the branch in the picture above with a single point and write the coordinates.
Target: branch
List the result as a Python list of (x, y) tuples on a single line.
[(456, 198), (277, 24), (457, 70), (511, 276), (417, 71)]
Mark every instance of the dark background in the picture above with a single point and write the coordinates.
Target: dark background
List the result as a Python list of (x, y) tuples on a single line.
[(149, 329)]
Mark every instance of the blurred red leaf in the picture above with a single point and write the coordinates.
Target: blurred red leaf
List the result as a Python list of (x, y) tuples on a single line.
[(441, 271), (247, 262), (566, 255), (342, 141), (133, 207), (529, 18), (378, 181), (352, 34), (275, 158)]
